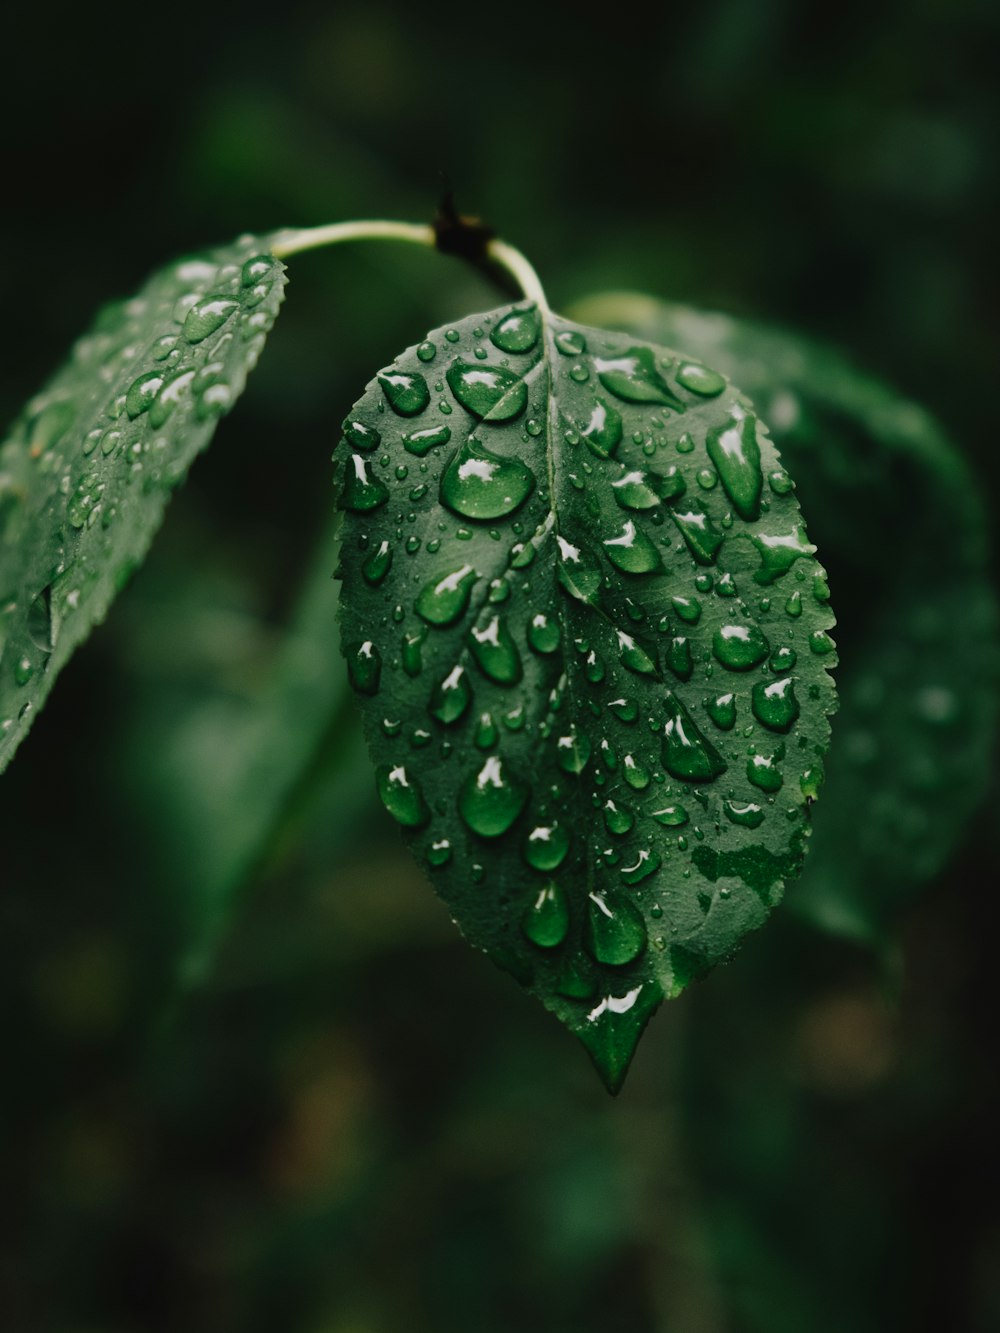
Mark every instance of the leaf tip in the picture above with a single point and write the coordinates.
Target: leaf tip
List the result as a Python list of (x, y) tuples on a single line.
[(612, 1029)]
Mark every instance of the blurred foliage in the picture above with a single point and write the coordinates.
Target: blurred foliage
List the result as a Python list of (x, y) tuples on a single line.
[(351, 1126)]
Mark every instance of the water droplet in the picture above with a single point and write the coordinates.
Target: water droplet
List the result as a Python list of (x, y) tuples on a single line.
[(646, 863), (577, 571), (255, 270), (206, 316), (546, 847), (362, 491), (616, 932), (491, 799), (544, 634), (780, 482), (632, 551), (774, 703), (443, 600), (142, 393), (637, 490), (634, 378), (360, 436), (482, 485), (634, 656), (699, 379), (546, 919), (636, 774), (722, 711), (688, 609), (516, 332), (700, 533), (593, 668), (673, 816), (496, 652), (571, 342), (779, 551), (451, 697), (406, 392), (603, 431), (377, 564), (488, 392), (573, 751), (412, 652), (421, 442), (763, 772), (740, 647), (172, 391), (743, 813), (364, 666), (521, 555), (821, 589), (426, 351), (487, 733), (821, 643), (678, 657), (794, 605), (783, 659), (734, 450), (626, 710), (687, 754), (618, 819), (401, 796), (439, 853), (23, 671)]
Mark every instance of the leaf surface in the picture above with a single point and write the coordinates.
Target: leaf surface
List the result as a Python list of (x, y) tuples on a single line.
[(86, 471), (901, 523), (591, 643)]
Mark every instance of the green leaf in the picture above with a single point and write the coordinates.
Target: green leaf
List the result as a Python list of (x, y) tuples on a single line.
[(902, 526), (568, 560), (87, 469)]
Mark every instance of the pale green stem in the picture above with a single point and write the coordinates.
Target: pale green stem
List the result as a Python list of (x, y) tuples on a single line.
[(285, 243)]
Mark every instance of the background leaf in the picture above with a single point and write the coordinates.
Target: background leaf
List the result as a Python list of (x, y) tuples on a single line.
[(88, 467), (590, 640), (902, 525)]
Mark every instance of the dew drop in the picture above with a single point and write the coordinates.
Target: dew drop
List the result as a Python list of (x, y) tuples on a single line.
[(487, 734), (779, 551), (763, 772), (577, 571), (439, 853), (634, 656), (625, 710), (688, 609), (687, 754), (491, 799), (378, 564), (618, 819), (637, 490), (482, 485), (362, 491), (821, 643), (546, 919), (774, 703), (722, 711), (573, 752), (206, 316), (401, 795), (743, 813), (406, 392), (616, 932), (426, 351), (635, 772), (646, 863), (444, 600), (672, 816), (364, 666), (634, 378), (420, 442), (734, 450), (544, 634), (516, 332), (451, 697), (546, 847), (496, 652), (678, 658), (142, 393), (632, 552), (571, 342), (700, 380), (700, 533), (739, 647), (603, 431), (488, 392)]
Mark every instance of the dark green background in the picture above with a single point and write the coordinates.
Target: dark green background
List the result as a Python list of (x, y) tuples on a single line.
[(358, 1126)]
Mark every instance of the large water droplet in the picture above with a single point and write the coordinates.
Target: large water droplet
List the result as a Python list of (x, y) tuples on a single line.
[(451, 697), (491, 799), (700, 380), (516, 332), (700, 533), (740, 647), (443, 600), (544, 634), (420, 442), (206, 316), (687, 754), (546, 919), (142, 393), (546, 847), (616, 932), (364, 666), (637, 490), (779, 551), (482, 485), (722, 711), (603, 431), (632, 551), (406, 392), (646, 863), (618, 819), (488, 392), (634, 378), (496, 652), (745, 814), (634, 656), (378, 564), (401, 796), (671, 816), (774, 703), (360, 436), (763, 772), (734, 450), (172, 392), (578, 572), (362, 491)]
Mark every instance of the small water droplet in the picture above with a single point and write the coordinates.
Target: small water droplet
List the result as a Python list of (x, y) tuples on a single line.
[(603, 431), (378, 564), (687, 608), (571, 342), (362, 491), (439, 853), (722, 711), (406, 392), (142, 393), (451, 697), (779, 551), (496, 652), (544, 633), (687, 754), (488, 392), (783, 659), (401, 795), (743, 813), (206, 316), (516, 332), (700, 533), (672, 816), (546, 847), (793, 606), (426, 351), (626, 710), (632, 552), (483, 485), (821, 643), (646, 863), (633, 378), (444, 600), (360, 436), (734, 450), (616, 932), (255, 270), (634, 656), (487, 735), (573, 751), (635, 772), (700, 380), (491, 799), (546, 918), (618, 819), (578, 572), (740, 647), (420, 442), (364, 666), (774, 703), (763, 771)]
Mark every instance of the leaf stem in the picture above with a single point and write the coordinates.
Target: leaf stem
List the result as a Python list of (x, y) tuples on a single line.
[(292, 242)]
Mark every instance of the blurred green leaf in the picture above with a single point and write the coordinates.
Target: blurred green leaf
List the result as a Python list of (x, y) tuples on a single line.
[(89, 466), (901, 523)]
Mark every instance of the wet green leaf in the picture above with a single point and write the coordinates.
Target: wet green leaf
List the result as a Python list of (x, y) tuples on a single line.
[(903, 530), (86, 471), (566, 576)]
